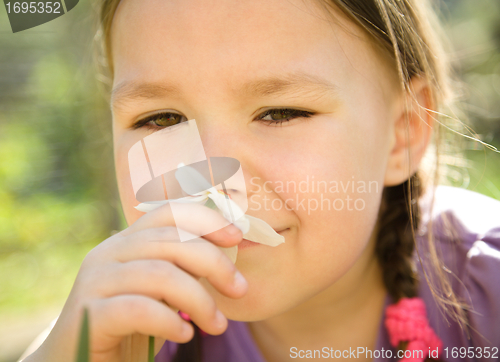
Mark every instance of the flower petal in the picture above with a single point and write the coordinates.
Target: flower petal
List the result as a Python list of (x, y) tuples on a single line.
[(243, 224), (152, 205), (229, 208), (191, 180), (231, 252), (262, 233)]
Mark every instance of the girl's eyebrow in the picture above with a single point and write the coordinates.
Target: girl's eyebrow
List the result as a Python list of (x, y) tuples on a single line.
[(298, 84)]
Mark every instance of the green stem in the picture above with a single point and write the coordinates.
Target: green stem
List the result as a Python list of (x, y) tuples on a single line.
[(83, 344), (151, 349)]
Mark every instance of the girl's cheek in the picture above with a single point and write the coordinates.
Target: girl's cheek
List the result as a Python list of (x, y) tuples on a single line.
[(332, 180), (127, 196), (125, 188)]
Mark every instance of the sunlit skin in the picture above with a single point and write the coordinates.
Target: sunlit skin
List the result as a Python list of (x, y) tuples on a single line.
[(323, 286)]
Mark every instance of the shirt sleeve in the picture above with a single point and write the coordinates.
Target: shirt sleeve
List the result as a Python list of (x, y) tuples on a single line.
[(481, 289), (466, 227)]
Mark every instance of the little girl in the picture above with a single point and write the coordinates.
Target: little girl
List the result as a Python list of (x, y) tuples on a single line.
[(329, 106)]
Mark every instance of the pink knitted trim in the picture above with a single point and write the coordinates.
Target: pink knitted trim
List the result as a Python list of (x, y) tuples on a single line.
[(186, 317), (406, 321)]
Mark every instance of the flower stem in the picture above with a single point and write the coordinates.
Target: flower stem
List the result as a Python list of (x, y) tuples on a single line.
[(83, 344), (151, 349)]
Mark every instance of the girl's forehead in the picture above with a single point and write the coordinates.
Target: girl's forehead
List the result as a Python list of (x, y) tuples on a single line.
[(207, 44)]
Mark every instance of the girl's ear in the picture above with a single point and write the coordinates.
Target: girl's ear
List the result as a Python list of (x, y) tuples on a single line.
[(411, 133)]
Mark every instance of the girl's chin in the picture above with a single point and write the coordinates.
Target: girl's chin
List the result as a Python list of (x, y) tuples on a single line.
[(251, 308), (250, 314)]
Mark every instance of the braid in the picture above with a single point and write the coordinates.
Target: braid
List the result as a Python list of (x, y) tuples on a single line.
[(395, 242)]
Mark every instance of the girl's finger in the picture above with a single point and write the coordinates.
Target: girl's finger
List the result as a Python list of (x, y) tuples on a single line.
[(113, 318), (162, 280), (195, 219), (199, 257)]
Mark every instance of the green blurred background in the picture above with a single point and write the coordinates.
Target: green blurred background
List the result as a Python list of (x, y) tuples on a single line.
[(58, 196)]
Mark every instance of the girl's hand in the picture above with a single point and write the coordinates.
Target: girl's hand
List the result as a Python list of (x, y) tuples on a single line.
[(126, 280)]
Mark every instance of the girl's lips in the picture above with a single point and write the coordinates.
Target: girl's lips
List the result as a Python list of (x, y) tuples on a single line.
[(248, 244)]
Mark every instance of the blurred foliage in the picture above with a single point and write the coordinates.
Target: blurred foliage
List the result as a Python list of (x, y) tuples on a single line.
[(58, 195), (473, 28)]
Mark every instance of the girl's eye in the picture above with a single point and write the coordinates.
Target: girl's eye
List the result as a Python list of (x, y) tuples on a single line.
[(271, 117), (160, 120), (279, 115)]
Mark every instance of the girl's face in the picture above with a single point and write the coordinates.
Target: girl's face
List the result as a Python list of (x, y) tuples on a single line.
[(225, 63)]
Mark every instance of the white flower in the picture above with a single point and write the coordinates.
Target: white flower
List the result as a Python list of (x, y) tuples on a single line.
[(253, 229)]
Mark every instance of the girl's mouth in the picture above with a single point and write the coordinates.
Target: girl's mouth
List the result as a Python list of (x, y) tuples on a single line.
[(248, 244)]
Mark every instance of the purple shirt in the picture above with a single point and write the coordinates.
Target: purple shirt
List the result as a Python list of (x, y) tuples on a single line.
[(469, 248)]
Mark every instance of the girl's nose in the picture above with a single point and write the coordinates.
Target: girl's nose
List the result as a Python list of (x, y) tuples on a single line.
[(221, 137)]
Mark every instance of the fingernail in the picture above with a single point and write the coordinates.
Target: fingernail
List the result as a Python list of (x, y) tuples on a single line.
[(243, 224), (186, 329), (232, 230), (239, 280), (219, 319)]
